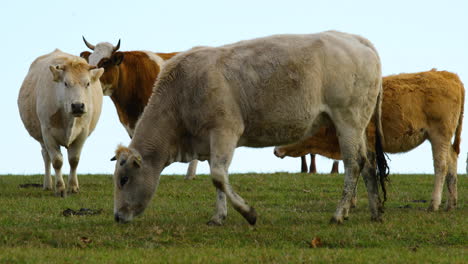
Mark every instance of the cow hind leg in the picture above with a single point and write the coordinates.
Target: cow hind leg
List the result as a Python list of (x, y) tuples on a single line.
[(303, 164), (222, 147), (440, 155), (451, 180), (372, 186), (47, 185), (353, 152)]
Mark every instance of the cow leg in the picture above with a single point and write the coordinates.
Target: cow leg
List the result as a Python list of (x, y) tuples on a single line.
[(350, 131), (222, 145), (303, 164), (440, 154), (53, 149), (192, 170), (74, 153), (372, 185), (334, 169), (451, 180), (221, 209), (354, 160), (313, 166), (47, 185)]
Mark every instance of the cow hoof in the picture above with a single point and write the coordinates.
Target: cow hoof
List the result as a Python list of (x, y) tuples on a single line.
[(214, 223), (377, 219), (61, 193), (250, 216), (73, 190), (336, 221), (432, 208), (47, 188)]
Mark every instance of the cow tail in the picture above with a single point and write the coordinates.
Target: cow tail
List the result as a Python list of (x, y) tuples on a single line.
[(456, 141), (382, 165)]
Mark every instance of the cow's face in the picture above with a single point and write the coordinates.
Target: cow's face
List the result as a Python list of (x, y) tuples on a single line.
[(73, 86), (105, 56), (134, 184)]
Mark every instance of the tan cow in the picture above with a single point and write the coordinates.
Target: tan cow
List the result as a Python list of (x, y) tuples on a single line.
[(416, 107), (255, 93), (60, 103)]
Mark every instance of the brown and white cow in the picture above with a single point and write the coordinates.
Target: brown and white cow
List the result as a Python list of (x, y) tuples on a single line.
[(256, 93), (59, 103), (128, 79), (416, 107)]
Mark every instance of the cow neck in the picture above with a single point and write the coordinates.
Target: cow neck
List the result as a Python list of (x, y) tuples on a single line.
[(156, 135), (133, 88)]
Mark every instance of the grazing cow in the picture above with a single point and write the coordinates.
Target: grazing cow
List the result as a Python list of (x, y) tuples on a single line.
[(60, 103), (128, 79), (256, 93), (416, 107)]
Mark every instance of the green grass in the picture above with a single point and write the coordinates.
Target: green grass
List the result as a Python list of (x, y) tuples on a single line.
[(292, 210)]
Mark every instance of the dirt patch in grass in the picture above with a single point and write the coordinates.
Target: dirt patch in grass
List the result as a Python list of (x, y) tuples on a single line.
[(82, 211), (30, 185)]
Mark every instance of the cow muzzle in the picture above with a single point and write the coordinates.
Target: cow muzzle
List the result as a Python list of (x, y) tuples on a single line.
[(78, 109), (279, 153)]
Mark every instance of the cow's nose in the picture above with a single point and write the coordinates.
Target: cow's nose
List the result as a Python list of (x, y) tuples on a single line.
[(78, 108)]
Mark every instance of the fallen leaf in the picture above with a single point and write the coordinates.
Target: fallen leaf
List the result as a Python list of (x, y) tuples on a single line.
[(85, 240), (316, 242)]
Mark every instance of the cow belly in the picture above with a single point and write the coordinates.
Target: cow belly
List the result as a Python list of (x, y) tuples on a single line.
[(408, 140), (281, 131)]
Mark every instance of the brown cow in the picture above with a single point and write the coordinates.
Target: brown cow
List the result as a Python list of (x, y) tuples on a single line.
[(416, 107), (128, 79)]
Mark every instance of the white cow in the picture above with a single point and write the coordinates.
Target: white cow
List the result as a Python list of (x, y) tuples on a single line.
[(256, 93), (60, 103)]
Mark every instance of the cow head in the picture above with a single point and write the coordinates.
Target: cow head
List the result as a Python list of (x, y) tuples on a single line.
[(134, 184), (73, 83), (106, 56)]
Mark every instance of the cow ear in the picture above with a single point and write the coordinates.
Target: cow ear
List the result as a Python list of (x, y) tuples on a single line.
[(85, 55), (96, 74), (113, 159), (117, 58), (57, 72), (137, 161)]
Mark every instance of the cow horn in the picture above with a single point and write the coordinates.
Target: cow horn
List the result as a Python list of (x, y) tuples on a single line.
[(89, 45), (117, 47)]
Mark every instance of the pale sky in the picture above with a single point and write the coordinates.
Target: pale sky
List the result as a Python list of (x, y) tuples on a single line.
[(411, 36)]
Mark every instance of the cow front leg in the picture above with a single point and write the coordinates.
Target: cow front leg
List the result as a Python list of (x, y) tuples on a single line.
[(222, 145), (221, 209), (192, 170), (47, 184), (53, 149), (74, 153)]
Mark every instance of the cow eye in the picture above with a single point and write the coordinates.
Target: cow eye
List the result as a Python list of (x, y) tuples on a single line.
[(103, 63), (123, 180), (87, 85), (66, 84)]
